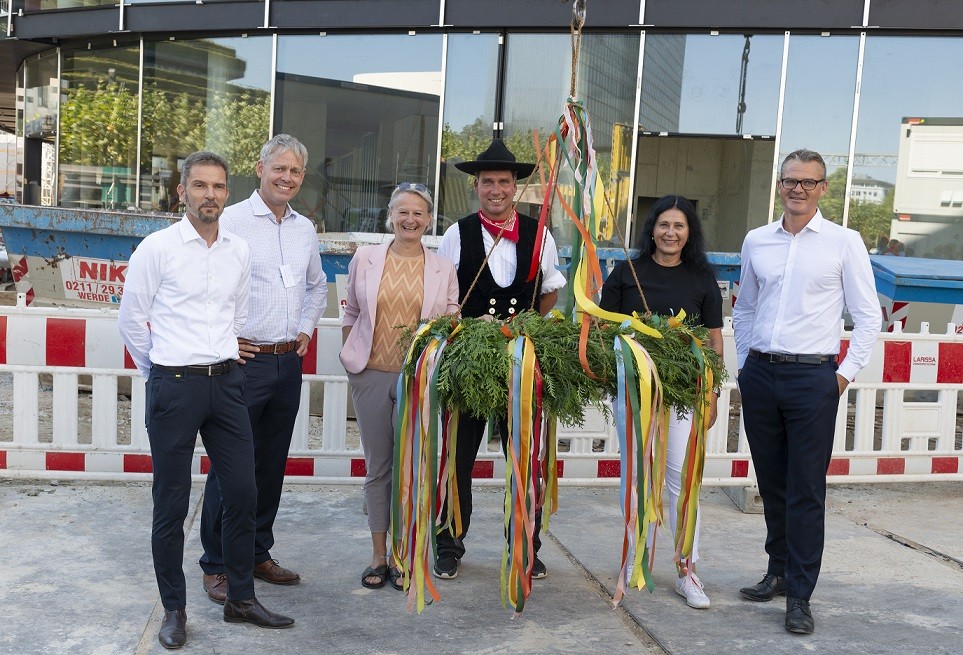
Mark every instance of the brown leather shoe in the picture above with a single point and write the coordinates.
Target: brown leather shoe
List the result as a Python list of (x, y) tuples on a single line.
[(271, 571), (216, 587)]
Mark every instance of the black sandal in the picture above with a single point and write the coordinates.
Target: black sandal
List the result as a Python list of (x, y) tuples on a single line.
[(380, 572), (396, 578)]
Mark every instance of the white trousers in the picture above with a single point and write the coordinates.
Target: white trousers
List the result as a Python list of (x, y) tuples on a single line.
[(675, 459)]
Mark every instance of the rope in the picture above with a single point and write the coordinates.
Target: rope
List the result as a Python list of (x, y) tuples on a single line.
[(625, 249), (578, 22)]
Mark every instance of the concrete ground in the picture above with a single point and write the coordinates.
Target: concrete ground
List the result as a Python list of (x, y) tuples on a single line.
[(76, 577)]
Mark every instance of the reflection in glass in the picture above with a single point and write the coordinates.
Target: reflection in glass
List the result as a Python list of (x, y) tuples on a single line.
[(210, 94), (43, 5), (21, 91), (819, 116), (471, 78), (910, 135), (707, 94), (701, 84), (41, 99), (366, 107), (40, 127), (538, 80), (98, 128)]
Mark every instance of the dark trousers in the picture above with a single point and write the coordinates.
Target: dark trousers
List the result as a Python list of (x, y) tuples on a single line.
[(471, 430), (272, 392), (178, 407), (790, 415)]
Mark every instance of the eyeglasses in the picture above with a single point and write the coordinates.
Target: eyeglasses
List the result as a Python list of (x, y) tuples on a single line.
[(413, 186), (789, 183)]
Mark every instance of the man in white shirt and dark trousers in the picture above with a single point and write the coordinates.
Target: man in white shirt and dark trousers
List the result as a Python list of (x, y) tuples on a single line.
[(502, 290), (185, 300), (797, 275), (289, 295)]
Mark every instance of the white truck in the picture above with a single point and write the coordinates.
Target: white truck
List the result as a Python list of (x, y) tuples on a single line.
[(928, 199)]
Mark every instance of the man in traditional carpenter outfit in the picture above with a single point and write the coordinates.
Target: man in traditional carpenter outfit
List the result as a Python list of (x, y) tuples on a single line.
[(510, 242)]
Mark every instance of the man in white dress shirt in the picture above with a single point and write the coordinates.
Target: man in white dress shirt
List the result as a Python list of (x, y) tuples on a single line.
[(502, 290), (185, 300), (289, 292), (797, 275)]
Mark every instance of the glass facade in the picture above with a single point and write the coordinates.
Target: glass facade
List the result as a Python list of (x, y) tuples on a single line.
[(39, 126), (366, 107), (98, 128), (910, 143), (44, 5), (537, 81), (715, 114), (471, 79), (210, 94), (821, 120), (707, 117)]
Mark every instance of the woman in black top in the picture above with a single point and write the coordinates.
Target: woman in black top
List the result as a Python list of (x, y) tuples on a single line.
[(675, 275)]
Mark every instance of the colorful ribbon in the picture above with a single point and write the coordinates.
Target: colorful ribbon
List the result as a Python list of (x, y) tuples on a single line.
[(530, 469), (415, 499)]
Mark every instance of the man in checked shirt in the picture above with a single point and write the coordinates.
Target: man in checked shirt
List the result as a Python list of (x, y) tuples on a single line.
[(288, 296)]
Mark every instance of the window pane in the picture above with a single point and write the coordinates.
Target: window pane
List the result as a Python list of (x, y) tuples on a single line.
[(42, 5), (211, 94), (98, 128), (21, 93), (700, 84), (821, 120), (40, 125), (135, 2), (910, 78), (701, 97), (471, 78), (40, 101), (366, 107), (538, 79)]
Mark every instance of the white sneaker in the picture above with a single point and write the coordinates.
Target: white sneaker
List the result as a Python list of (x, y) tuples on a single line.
[(690, 587)]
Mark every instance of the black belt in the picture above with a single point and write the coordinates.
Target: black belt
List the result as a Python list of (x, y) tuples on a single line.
[(786, 358), (207, 370)]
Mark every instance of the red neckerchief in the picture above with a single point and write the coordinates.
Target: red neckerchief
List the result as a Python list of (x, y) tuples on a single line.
[(507, 229)]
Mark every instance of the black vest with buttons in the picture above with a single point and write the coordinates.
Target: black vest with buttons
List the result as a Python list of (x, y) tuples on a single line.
[(487, 297)]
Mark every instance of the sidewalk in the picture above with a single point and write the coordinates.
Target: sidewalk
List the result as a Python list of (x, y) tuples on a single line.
[(76, 577)]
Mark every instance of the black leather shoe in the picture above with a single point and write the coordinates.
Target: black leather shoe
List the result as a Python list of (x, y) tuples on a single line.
[(799, 620), (252, 611), (769, 587), (173, 631)]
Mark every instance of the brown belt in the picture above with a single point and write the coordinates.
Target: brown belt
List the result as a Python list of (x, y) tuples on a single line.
[(277, 348)]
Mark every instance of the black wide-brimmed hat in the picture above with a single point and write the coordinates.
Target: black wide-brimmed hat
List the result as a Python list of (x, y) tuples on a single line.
[(497, 158)]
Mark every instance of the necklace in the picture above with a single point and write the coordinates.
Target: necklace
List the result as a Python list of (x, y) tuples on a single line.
[(655, 258)]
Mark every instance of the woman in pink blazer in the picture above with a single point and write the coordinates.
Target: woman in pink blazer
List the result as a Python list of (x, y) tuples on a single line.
[(391, 284)]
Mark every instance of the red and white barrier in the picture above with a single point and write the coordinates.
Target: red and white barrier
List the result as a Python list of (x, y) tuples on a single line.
[(68, 343)]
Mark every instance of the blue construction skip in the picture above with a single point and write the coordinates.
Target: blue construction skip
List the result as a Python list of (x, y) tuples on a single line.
[(79, 257), (912, 279)]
